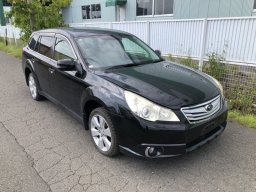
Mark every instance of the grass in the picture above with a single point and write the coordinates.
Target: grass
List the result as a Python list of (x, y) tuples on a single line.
[(13, 50), (249, 120)]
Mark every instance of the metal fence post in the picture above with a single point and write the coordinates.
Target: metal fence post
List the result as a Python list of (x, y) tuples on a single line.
[(6, 36), (203, 44), (148, 33)]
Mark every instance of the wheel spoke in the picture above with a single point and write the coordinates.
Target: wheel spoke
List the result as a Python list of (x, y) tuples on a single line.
[(100, 143), (107, 132), (102, 122), (95, 132), (106, 142), (95, 122), (32, 86)]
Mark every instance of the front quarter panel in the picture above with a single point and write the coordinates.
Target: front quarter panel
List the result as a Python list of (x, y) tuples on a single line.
[(104, 92), (112, 98)]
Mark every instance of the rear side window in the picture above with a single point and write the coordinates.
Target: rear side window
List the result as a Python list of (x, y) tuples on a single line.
[(33, 41), (45, 46)]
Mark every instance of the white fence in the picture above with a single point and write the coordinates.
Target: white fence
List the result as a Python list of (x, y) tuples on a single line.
[(233, 37), (10, 32)]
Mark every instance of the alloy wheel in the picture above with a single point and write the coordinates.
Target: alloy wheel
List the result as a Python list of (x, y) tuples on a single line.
[(100, 132), (32, 86)]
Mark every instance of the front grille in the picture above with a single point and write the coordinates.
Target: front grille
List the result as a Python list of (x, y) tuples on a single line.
[(203, 111)]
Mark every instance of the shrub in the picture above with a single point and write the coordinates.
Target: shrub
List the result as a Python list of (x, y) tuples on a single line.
[(240, 96), (188, 61), (215, 66)]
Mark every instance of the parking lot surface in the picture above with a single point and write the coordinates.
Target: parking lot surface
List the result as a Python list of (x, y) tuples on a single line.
[(42, 148)]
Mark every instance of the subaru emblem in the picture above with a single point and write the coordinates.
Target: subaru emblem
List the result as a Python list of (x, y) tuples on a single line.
[(208, 107)]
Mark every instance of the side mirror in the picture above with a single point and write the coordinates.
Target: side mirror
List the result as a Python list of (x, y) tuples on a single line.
[(66, 64), (158, 52)]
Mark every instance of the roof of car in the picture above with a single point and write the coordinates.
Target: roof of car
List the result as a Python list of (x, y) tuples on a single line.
[(77, 32)]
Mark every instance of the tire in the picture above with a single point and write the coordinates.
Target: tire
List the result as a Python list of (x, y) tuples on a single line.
[(34, 87), (103, 132)]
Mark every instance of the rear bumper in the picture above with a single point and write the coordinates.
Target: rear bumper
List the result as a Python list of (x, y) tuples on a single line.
[(170, 139)]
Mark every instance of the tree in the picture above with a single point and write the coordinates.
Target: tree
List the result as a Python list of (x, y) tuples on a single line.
[(32, 15)]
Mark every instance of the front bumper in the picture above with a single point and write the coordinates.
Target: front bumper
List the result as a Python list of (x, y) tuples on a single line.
[(170, 139)]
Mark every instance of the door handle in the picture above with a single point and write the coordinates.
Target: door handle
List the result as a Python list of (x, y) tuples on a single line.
[(51, 70)]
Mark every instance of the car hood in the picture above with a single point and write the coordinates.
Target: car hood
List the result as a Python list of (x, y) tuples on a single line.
[(168, 84)]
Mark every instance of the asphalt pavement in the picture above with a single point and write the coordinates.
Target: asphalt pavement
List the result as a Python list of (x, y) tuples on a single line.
[(42, 148)]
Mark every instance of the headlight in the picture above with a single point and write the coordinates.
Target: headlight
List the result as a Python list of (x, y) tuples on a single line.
[(147, 109), (218, 85)]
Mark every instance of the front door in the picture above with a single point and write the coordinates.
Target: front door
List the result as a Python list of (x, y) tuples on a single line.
[(67, 86)]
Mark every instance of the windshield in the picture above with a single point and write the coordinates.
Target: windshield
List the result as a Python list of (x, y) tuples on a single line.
[(104, 51)]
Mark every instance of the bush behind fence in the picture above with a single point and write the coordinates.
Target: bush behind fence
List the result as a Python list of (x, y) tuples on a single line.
[(239, 82)]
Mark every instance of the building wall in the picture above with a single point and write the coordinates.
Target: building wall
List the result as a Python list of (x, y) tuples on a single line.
[(190, 9), (183, 9), (73, 14)]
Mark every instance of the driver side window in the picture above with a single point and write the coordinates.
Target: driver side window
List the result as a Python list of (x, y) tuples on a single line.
[(63, 50)]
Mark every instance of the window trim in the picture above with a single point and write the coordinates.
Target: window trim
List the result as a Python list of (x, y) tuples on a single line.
[(66, 39), (55, 36), (30, 39), (157, 15), (39, 40)]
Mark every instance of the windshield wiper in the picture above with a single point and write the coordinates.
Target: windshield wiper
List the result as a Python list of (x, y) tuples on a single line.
[(135, 64), (125, 65)]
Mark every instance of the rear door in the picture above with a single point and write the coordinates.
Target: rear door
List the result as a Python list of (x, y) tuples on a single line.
[(42, 61)]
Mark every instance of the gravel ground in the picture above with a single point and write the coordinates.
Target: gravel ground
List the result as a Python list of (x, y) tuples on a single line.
[(44, 149)]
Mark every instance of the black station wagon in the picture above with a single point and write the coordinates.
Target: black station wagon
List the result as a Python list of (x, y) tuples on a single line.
[(128, 97)]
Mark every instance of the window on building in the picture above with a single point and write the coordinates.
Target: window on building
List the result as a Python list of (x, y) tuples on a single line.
[(163, 7), (144, 7), (6, 3), (91, 11), (46, 2), (254, 6), (154, 7)]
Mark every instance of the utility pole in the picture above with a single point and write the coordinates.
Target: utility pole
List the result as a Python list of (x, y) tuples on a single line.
[(2, 17)]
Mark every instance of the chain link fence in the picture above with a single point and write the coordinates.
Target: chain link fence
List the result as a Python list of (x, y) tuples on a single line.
[(238, 81)]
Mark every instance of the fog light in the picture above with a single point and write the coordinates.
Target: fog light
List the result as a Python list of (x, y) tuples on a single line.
[(153, 151)]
